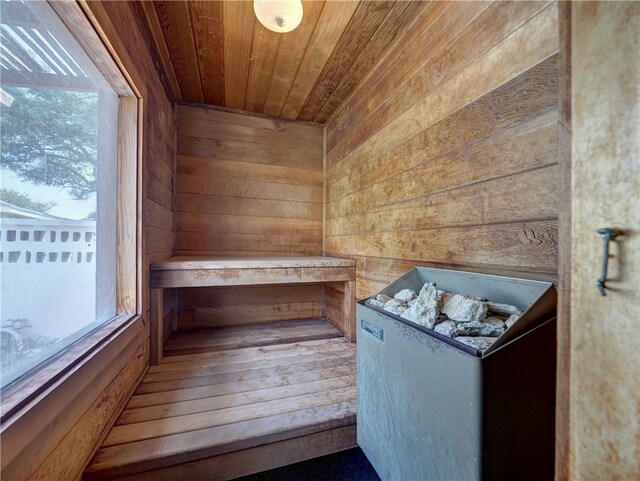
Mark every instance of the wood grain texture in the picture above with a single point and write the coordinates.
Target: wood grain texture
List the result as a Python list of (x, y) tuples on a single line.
[(563, 369), (206, 21), (366, 20), (163, 52), (234, 389), (158, 125), (291, 50), (446, 154), (247, 185), (601, 351), (40, 435), (193, 272), (76, 448), (264, 50), (538, 37), (333, 21), (179, 263), (128, 205), (179, 36), (220, 53), (447, 40), (257, 459)]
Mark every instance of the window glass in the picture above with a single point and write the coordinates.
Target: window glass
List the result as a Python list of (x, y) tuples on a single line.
[(58, 189)]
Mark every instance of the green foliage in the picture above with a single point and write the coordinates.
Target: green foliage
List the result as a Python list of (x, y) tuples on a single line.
[(50, 137), (23, 200)]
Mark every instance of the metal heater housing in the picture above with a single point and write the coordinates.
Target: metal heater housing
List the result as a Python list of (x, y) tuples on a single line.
[(431, 410)]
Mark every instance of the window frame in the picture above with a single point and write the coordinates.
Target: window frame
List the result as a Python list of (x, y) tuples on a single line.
[(33, 387)]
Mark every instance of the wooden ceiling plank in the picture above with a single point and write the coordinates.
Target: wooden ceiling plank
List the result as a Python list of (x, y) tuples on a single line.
[(355, 39), (424, 41), (238, 20), (401, 15), (290, 54), (206, 18), (178, 34), (333, 21), (264, 51), (161, 47)]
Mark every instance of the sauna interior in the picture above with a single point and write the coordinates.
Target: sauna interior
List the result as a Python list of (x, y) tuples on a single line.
[(250, 178)]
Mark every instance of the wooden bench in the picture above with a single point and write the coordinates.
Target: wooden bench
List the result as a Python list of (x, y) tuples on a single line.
[(181, 272), (235, 400)]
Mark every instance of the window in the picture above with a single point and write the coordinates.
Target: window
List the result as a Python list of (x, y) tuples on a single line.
[(59, 190)]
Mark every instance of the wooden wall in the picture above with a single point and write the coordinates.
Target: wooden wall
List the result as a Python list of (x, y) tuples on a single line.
[(446, 154), (64, 426), (247, 186), (126, 27)]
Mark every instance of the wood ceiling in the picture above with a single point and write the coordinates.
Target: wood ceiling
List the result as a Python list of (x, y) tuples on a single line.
[(216, 52)]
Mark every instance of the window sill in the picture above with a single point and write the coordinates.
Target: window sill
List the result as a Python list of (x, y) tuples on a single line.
[(27, 389)]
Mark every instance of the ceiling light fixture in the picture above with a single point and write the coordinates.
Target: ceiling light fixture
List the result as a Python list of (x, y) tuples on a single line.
[(279, 16)]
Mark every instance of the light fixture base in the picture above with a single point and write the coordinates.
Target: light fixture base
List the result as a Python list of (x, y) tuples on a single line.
[(280, 16)]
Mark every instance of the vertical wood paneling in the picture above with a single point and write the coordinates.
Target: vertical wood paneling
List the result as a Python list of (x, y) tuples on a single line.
[(220, 54), (398, 18), (238, 20), (158, 37), (364, 23), (175, 20), (247, 186), (290, 53), (599, 359), (563, 369), (206, 18), (333, 20), (446, 153), (264, 49)]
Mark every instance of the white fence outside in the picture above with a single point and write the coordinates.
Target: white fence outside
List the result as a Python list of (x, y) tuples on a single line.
[(48, 270)]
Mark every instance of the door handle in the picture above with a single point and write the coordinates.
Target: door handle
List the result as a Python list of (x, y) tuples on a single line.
[(607, 235)]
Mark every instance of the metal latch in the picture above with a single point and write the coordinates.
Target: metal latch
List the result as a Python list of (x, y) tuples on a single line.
[(607, 234)]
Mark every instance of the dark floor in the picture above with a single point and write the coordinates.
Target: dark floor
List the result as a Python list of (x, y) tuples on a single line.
[(350, 465)]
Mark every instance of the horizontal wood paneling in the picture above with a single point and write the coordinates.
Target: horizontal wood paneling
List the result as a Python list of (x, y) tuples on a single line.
[(224, 307), (74, 448), (35, 438), (247, 185), (446, 153), (216, 204)]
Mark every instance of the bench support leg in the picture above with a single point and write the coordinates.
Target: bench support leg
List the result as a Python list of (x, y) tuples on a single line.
[(349, 309), (157, 325)]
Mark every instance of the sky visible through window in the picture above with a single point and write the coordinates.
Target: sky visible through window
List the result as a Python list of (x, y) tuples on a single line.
[(66, 207)]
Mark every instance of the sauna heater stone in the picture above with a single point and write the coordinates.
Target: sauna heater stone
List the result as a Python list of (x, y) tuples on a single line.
[(431, 408)]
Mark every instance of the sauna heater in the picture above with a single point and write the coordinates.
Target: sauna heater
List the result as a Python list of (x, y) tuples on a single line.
[(432, 409)]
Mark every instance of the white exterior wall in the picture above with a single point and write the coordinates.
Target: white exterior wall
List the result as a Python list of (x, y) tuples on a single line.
[(48, 274)]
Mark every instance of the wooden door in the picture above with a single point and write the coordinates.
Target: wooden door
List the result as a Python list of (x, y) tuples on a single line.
[(599, 338)]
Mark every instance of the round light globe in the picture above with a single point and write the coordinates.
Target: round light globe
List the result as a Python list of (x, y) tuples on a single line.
[(279, 16)]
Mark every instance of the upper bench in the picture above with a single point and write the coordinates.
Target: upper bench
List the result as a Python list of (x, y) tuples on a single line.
[(178, 272), (245, 271)]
